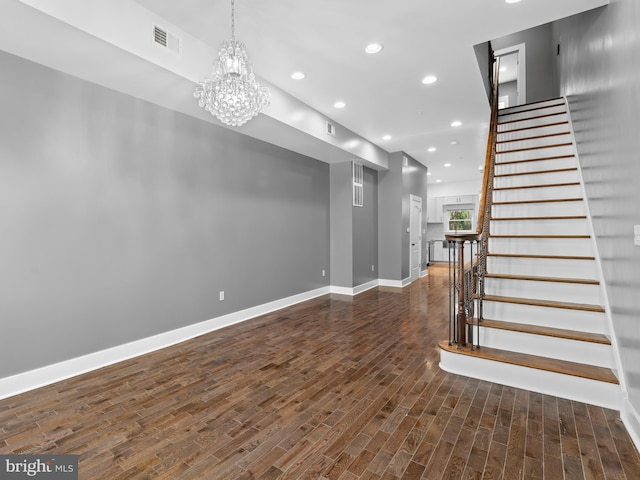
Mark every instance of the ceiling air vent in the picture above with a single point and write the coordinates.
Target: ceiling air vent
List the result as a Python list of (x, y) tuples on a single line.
[(166, 39), (331, 129)]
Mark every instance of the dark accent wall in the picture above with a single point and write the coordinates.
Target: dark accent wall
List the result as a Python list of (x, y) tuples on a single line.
[(599, 72), (365, 232), (122, 219)]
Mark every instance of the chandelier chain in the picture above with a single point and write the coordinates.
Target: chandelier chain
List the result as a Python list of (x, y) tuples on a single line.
[(233, 20)]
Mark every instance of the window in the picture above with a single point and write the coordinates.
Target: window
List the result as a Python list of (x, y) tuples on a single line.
[(459, 219)]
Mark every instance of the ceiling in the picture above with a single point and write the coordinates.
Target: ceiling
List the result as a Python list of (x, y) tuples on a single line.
[(383, 93)]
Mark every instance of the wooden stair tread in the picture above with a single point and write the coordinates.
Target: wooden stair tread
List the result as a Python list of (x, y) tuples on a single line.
[(557, 237), (537, 147), (506, 111), (552, 257), (537, 172), (540, 330), (585, 307), (560, 101), (557, 217), (533, 361), (505, 276), (521, 129), (552, 200), (530, 118), (567, 184), (539, 159), (536, 137)]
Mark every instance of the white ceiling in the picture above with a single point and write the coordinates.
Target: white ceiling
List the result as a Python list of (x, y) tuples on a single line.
[(326, 39)]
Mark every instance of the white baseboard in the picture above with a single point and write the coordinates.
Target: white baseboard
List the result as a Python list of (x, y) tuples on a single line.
[(40, 377), (631, 419), (395, 283)]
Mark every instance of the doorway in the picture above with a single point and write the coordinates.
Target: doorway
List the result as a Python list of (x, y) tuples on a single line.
[(512, 85), (415, 236)]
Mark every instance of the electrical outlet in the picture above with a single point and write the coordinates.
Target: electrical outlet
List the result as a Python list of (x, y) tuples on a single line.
[(636, 235), (323, 273), (221, 295), (373, 268)]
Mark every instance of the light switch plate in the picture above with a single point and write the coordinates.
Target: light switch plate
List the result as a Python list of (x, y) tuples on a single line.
[(636, 235)]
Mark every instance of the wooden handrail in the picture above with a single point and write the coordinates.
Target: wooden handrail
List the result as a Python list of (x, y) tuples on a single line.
[(491, 149)]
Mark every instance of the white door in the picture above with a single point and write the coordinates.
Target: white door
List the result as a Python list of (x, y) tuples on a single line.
[(415, 236)]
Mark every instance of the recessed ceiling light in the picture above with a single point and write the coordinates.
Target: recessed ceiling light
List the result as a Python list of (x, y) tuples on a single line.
[(339, 104), (386, 137), (428, 173), (297, 75), (431, 149), (438, 181), (373, 48), (511, 1), (454, 142), (456, 123), (447, 165), (429, 79)]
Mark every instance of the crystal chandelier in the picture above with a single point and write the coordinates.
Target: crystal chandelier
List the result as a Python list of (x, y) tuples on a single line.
[(232, 94)]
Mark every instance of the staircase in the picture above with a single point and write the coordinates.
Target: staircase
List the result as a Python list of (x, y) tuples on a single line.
[(545, 328)]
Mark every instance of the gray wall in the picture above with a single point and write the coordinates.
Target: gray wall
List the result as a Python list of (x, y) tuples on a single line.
[(395, 186), (341, 232), (599, 72), (540, 60), (121, 219)]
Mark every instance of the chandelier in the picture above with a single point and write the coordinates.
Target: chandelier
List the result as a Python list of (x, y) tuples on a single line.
[(232, 94)]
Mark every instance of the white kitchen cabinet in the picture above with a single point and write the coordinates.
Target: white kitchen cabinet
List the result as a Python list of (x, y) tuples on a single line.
[(434, 209)]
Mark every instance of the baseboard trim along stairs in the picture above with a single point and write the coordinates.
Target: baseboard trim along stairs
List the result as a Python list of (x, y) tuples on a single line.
[(545, 325)]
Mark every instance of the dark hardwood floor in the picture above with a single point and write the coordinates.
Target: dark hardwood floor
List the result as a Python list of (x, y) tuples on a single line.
[(336, 388)]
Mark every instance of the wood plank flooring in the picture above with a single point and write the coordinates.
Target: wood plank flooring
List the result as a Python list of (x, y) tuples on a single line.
[(334, 388)]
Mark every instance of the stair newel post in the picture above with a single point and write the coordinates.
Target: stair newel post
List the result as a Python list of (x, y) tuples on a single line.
[(462, 314), (452, 296)]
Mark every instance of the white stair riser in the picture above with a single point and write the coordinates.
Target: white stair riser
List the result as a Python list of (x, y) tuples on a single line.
[(546, 103), (514, 134), (536, 166), (543, 246), (602, 394), (538, 209), (543, 267), (537, 193), (530, 227), (504, 124), (533, 142), (559, 292), (527, 113), (535, 153), (588, 353), (536, 179), (579, 320)]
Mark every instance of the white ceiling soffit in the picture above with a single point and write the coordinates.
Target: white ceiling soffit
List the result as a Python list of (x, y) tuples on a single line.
[(110, 42)]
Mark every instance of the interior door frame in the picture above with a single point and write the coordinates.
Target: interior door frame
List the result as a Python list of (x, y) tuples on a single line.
[(417, 199), (521, 80)]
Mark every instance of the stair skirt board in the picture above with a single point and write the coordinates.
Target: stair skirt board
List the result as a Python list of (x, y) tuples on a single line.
[(592, 322), (602, 394), (589, 353)]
